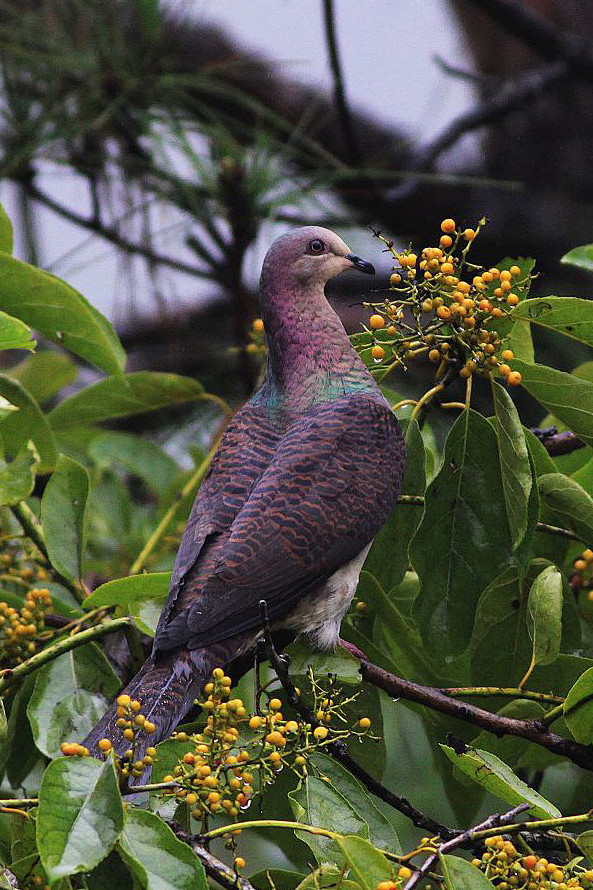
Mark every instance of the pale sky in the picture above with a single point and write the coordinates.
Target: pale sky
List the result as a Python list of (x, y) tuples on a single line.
[(387, 48)]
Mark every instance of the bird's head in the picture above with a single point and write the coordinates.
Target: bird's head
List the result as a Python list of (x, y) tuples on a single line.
[(310, 256)]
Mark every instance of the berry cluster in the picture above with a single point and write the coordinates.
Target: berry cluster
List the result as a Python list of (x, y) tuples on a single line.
[(20, 628), (506, 868), (237, 755), (446, 308)]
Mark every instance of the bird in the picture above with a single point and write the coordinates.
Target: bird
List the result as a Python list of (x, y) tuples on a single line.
[(306, 474)]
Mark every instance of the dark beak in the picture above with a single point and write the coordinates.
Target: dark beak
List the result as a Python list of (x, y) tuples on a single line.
[(359, 264)]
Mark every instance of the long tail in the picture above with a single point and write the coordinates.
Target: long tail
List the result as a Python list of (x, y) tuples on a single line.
[(166, 691)]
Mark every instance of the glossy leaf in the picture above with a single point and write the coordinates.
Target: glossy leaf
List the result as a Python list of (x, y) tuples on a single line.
[(60, 313), (460, 874), (3, 725), (569, 502), (388, 557), (514, 461), (69, 697), (578, 708), (496, 777), (138, 456), (6, 238), (130, 589), (570, 316), (15, 334), (368, 866), (580, 256), (520, 341), (63, 509), (45, 373), (544, 616), (381, 833), (80, 815), (28, 423), (567, 397), (17, 478), (341, 663), (124, 396), (156, 857), (585, 842), (509, 748), (458, 522), (321, 804)]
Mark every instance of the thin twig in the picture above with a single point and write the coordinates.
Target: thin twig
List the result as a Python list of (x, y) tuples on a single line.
[(432, 698), (344, 118), (213, 867), (461, 840), (8, 677), (507, 691), (338, 749)]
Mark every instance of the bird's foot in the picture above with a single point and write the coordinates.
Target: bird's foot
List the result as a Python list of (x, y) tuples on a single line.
[(353, 650)]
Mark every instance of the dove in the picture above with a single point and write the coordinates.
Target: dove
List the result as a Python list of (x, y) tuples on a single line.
[(307, 472)]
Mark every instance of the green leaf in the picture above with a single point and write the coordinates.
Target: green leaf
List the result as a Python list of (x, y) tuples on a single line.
[(544, 616), (69, 697), (368, 866), (17, 478), (28, 423), (320, 804), (45, 373), (510, 748), (381, 833), (519, 339), (6, 239), (14, 334), (281, 879), (570, 316), (496, 777), (514, 461), (578, 708), (459, 522), (138, 456), (56, 310), (80, 815), (580, 256), (345, 666), (63, 508), (388, 557), (3, 725), (130, 589), (156, 857), (124, 396), (585, 842), (565, 396), (569, 502), (460, 874)]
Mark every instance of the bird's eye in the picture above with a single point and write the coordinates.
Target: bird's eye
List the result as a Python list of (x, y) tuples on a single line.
[(316, 246)]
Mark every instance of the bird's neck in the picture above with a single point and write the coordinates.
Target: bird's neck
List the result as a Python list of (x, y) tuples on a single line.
[(310, 356)]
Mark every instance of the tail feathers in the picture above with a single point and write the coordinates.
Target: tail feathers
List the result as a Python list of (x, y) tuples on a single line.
[(166, 691)]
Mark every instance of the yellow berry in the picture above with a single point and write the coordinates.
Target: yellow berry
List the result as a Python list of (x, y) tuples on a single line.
[(364, 722), (588, 555), (104, 745), (404, 872), (275, 704), (448, 226), (258, 326), (395, 278), (149, 727), (515, 270), (124, 701), (218, 673), (512, 299), (444, 313), (292, 726), (320, 732), (378, 352), (239, 862)]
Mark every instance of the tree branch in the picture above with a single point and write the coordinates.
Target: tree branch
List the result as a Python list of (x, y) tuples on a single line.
[(432, 698), (344, 118), (338, 749), (462, 839), (213, 867)]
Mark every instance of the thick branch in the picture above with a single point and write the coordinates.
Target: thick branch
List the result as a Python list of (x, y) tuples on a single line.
[(396, 687), (338, 749), (342, 109)]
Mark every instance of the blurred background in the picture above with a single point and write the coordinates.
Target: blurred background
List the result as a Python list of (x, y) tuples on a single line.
[(150, 151)]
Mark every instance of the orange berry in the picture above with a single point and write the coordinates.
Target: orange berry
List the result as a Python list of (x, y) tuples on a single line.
[(446, 241), (529, 861), (514, 378), (444, 313), (512, 299), (496, 312), (508, 355), (378, 352), (515, 270), (320, 732), (239, 862), (504, 370), (377, 321), (469, 234), (448, 226), (580, 565), (258, 326), (104, 745)]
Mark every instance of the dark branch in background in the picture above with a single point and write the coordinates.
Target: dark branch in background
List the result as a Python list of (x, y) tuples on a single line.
[(513, 94), (542, 36), (344, 118), (462, 840), (557, 443), (338, 749), (396, 687), (213, 867)]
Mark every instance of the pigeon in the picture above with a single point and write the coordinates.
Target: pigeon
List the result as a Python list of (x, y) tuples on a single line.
[(306, 474)]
